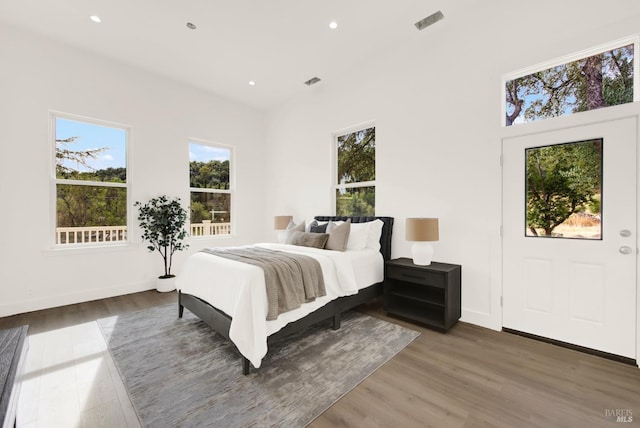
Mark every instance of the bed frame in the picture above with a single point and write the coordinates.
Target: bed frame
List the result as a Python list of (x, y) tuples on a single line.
[(221, 322)]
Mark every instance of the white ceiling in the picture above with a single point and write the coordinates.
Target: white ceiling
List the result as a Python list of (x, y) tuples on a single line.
[(277, 43)]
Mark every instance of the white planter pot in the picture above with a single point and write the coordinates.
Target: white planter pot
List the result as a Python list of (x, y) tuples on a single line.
[(164, 285)]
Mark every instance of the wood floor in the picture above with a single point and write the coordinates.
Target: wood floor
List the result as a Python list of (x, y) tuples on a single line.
[(70, 380), (469, 377)]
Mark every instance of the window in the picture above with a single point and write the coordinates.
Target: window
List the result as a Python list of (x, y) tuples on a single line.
[(564, 190), (600, 79), (90, 181), (211, 190), (355, 186)]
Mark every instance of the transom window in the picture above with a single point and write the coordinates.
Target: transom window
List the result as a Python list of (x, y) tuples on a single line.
[(355, 186), (90, 180), (602, 78), (210, 178)]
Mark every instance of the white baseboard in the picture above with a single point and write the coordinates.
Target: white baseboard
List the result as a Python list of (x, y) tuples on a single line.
[(29, 305), (483, 319)]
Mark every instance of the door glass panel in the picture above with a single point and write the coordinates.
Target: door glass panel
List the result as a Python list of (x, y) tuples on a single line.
[(564, 190)]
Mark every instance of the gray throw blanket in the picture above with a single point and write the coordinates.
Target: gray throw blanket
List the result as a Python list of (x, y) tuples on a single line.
[(291, 279)]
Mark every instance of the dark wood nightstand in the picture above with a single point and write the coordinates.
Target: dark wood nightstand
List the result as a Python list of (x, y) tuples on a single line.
[(429, 295)]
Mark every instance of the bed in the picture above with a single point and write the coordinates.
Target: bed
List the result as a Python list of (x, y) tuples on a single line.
[(236, 312)]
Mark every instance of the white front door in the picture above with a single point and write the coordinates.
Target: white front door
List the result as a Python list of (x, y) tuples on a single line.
[(579, 291)]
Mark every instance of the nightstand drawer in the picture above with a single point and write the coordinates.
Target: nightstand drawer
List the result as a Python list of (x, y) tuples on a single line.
[(415, 276)]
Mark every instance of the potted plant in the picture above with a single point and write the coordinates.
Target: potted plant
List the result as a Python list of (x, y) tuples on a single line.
[(162, 222)]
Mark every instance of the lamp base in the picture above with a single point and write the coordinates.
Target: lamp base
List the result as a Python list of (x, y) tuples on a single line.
[(422, 253)]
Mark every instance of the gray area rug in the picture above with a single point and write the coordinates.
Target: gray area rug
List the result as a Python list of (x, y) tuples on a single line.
[(178, 372)]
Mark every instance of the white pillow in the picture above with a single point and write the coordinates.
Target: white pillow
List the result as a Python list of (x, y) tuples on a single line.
[(375, 231), (358, 236), (291, 228)]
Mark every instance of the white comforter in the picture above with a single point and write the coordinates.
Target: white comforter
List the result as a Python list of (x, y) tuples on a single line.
[(238, 289)]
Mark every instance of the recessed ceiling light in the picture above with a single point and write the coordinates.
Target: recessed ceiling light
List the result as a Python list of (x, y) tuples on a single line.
[(252, 83), (191, 26), (95, 18), (333, 25)]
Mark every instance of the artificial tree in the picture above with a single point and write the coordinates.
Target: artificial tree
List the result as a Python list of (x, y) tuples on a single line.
[(162, 222)]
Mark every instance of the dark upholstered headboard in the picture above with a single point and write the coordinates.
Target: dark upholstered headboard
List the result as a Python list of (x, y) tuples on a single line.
[(385, 236)]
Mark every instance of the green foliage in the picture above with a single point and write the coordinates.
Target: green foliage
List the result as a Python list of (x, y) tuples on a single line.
[(162, 222), (213, 174), (561, 180), (357, 156), (356, 202), (111, 175), (83, 206), (602, 80), (209, 175), (619, 90), (199, 212), (204, 204), (356, 164)]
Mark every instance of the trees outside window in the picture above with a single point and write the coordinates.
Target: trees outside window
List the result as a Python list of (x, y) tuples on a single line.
[(355, 189), (564, 190), (90, 181), (601, 80), (210, 187)]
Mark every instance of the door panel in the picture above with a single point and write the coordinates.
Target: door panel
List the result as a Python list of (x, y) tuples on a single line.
[(580, 291)]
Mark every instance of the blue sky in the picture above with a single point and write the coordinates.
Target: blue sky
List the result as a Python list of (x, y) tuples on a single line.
[(204, 153), (91, 136)]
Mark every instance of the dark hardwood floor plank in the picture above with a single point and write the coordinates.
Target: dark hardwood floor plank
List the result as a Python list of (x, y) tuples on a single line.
[(64, 316)]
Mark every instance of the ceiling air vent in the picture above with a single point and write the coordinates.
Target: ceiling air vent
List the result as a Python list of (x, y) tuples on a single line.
[(429, 20), (312, 81)]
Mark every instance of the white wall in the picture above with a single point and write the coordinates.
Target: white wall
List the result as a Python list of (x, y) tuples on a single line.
[(436, 103), (38, 75)]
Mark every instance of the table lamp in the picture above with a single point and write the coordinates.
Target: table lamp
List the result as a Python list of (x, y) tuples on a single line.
[(422, 231), (280, 223)]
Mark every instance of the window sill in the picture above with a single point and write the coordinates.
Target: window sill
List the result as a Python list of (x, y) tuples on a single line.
[(90, 249), (211, 237)]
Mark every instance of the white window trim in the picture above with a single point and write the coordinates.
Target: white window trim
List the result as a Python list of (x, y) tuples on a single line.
[(230, 191), (335, 186), (89, 246), (635, 40)]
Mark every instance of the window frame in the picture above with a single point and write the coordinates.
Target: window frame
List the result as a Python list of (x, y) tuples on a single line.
[(55, 181), (566, 59), (335, 187), (230, 191)]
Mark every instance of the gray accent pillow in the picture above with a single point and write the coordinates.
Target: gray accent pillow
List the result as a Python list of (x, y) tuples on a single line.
[(304, 239), (318, 228), (338, 235)]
